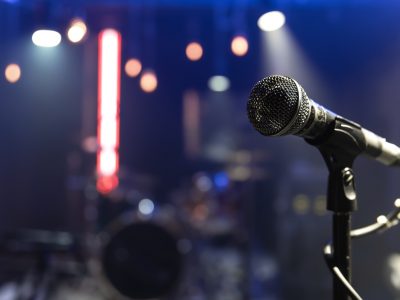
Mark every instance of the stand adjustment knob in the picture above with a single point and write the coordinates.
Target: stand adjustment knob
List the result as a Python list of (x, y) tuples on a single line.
[(348, 183)]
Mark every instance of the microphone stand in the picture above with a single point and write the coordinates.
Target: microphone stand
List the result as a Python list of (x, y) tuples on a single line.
[(339, 148)]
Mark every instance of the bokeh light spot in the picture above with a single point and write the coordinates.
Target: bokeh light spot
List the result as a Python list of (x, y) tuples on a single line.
[(219, 83), (12, 73), (133, 67), (77, 31), (194, 51), (239, 45), (148, 81), (146, 206)]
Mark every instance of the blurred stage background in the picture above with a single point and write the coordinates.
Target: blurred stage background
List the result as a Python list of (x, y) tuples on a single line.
[(189, 197)]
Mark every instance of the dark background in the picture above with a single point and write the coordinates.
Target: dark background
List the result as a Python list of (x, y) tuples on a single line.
[(352, 46)]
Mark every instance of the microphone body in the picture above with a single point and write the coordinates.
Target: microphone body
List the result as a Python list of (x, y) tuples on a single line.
[(279, 106)]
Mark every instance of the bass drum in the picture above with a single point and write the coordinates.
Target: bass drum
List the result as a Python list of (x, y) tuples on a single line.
[(140, 257)]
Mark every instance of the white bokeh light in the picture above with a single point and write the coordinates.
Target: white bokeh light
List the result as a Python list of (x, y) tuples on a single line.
[(146, 206), (219, 83), (46, 38), (77, 31), (271, 21)]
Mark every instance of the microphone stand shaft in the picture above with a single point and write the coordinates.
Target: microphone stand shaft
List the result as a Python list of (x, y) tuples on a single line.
[(341, 252)]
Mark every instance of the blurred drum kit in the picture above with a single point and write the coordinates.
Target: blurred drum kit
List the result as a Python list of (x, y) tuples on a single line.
[(189, 247)]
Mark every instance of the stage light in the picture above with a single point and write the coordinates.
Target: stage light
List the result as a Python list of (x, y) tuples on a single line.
[(108, 110), (12, 73), (77, 31), (271, 21), (133, 67), (239, 45), (46, 38), (146, 206), (148, 81), (219, 83), (194, 51)]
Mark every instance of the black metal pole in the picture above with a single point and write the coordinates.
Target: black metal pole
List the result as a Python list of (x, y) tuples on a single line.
[(341, 253), (342, 201)]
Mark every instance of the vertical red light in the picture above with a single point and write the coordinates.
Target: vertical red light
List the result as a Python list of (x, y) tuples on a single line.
[(108, 110)]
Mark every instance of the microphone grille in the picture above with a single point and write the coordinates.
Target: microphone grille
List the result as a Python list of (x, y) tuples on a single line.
[(276, 108)]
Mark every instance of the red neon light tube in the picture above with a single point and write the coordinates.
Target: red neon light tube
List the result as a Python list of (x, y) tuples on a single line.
[(108, 110)]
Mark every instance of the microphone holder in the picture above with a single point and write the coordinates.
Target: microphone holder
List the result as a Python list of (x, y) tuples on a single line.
[(339, 149)]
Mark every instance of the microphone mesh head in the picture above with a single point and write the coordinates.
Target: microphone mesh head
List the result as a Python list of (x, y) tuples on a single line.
[(276, 108)]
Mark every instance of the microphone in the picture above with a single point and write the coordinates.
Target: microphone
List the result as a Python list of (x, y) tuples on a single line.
[(279, 106)]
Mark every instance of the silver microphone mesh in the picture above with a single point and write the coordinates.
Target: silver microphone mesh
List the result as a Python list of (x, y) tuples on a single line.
[(278, 106)]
